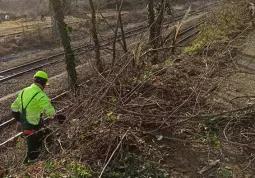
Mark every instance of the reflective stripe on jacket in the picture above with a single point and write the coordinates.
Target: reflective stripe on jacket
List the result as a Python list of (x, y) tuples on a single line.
[(41, 104)]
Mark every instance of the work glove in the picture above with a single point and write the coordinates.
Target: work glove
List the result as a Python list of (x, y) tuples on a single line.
[(60, 118)]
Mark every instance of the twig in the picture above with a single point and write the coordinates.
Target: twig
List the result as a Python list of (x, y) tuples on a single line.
[(210, 166), (113, 154), (118, 10), (45, 143), (241, 145), (59, 141), (224, 131), (250, 161), (174, 116), (157, 49), (111, 28), (121, 28)]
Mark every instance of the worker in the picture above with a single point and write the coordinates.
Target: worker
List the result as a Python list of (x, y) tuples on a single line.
[(28, 108)]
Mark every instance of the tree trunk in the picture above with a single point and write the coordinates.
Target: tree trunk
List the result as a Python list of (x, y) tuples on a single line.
[(158, 30), (118, 9), (121, 27), (54, 28), (159, 22), (151, 20), (99, 63), (69, 55), (155, 27)]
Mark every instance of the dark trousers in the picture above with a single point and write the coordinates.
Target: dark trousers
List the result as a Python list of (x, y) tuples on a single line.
[(34, 143)]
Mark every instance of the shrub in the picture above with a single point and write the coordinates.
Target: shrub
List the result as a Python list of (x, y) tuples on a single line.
[(219, 26)]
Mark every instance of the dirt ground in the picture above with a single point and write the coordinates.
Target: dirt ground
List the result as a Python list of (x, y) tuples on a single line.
[(239, 88), (191, 149), (187, 155), (185, 150)]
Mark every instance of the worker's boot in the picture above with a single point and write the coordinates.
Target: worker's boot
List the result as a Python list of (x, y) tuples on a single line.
[(33, 146), (26, 159)]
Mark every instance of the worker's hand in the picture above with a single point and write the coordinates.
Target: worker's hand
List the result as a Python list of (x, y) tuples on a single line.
[(60, 118)]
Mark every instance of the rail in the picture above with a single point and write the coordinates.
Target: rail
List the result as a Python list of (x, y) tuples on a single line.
[(128, 34), (183, 32)]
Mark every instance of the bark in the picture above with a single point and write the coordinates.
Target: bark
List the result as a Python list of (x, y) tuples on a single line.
[(54, 26), (65, 39), (155, 24), (158, 25), (151, 20), (174, 40), (159, 22), (119, 8), (99, 63), (122, 28)]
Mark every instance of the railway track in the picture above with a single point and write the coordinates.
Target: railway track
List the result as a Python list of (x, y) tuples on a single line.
[(191, 31), (11, 73), (8, 125), (20, 30), (11, 121), (2, 125)]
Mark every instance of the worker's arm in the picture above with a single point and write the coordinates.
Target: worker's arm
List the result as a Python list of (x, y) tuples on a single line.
[(49, 110), (15, 107), (46, 106)]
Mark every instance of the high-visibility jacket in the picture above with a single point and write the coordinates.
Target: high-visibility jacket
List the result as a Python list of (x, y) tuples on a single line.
[(36, 103)]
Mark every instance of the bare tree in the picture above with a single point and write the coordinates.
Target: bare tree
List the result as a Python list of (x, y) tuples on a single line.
[(99, 63), (151, 20), (155, 20), (65, 38), (66, 8), (119, 7), (53, 22), (159, 22)]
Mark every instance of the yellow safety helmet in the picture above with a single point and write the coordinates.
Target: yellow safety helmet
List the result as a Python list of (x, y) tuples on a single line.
[(43, 75)]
